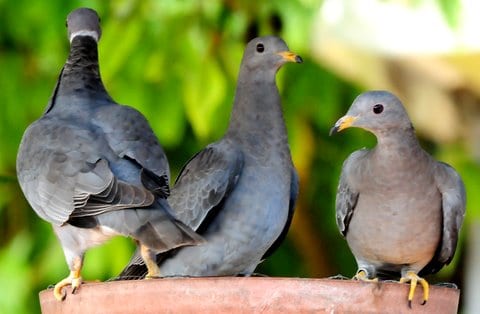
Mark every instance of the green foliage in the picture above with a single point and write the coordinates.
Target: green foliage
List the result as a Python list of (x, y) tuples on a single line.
[(14, 276), (176, 62), (450, 10)]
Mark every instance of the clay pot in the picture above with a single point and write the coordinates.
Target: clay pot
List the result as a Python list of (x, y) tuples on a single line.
[(248, 295)]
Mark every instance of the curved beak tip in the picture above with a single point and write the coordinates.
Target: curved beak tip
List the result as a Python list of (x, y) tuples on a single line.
[(290, 56), (343, 123), (333, 130)]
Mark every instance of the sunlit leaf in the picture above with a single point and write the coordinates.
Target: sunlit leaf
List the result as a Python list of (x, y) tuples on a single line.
[(204, 89), (450, 9)]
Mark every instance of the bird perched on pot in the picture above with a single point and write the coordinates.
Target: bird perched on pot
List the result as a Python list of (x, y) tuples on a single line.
[(239, 193), (399, 209), (93, 168)]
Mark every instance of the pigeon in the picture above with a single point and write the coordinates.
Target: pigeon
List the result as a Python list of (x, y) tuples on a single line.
[(93, 168), (238, 193), (399, 209)]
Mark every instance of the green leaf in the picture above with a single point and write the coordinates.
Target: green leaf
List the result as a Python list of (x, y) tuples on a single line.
[(451, 11), (204, 86)]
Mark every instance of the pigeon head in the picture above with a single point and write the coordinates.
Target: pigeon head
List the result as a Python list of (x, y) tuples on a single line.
[(374, 111), (268, 52), (83, 22)]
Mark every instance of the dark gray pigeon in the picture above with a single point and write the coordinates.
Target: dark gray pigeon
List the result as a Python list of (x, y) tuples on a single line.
[(399, 209), (93, 168), (239, 192)]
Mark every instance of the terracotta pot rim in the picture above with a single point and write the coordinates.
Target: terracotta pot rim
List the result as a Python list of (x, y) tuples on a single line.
[(248, 294)]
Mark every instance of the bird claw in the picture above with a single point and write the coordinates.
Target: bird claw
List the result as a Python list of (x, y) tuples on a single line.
[(361, 275), (413, 278), (148, 277), (76, 282), (149, 257), (153, 270), (58, 291), (73, 280)]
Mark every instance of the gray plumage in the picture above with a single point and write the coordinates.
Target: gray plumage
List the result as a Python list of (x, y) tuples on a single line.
[(239, 192), (399, 209), (93, 168)]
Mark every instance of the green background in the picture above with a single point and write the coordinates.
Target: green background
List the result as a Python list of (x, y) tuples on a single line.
[(177, 62)]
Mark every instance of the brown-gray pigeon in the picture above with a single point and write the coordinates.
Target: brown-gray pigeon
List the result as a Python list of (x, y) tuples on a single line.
[(239, 193), (93, 168), (399, 209)]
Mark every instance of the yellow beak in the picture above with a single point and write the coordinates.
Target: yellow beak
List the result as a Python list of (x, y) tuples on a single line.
[(290, 56), (342, 123)]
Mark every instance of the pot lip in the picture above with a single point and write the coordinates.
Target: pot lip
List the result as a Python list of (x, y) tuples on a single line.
[(246, 295), (255, 280)]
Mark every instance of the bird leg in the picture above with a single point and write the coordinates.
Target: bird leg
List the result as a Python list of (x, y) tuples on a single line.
[(150, 257), (74, 279), (413, 278), (362, 276)]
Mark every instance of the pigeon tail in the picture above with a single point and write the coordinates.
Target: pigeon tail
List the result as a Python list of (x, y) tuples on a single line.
[(164, 233)]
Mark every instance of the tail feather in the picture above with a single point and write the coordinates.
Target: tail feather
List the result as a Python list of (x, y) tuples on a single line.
[(135, 269), (154, 227), (165, 233)]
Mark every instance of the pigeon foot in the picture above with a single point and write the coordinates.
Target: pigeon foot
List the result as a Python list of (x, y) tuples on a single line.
[(149, 257), (74, 279), (362, 276), (413, 278)]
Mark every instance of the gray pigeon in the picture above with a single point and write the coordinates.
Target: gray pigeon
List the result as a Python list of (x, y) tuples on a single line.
[(399, 209), (93, 168), (239, 193)]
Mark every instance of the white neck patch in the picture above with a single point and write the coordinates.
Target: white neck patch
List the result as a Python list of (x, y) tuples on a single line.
[(92, 34)]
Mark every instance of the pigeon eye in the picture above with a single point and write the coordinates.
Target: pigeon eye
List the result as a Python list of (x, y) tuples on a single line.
[(378, 108), (260, 48)]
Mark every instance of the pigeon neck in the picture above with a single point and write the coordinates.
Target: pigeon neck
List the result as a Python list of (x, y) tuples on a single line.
[(81, 73), (396, 143), (398, 157), (256, 106)]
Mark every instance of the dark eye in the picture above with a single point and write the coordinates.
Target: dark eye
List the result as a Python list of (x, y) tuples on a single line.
[(260, 47), (378, 108)]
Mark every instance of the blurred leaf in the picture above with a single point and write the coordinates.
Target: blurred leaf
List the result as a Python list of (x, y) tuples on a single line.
[(7, 179), (451, 11), (15, 275), (107, 261), (204, 90)]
